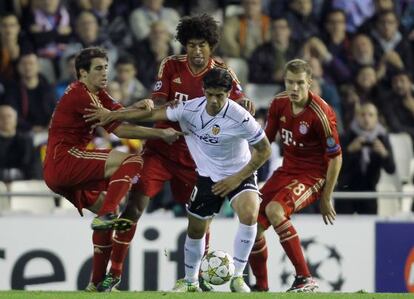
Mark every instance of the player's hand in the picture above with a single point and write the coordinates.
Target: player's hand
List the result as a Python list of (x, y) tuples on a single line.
[(145, 104), (172, 104), (101, 116), (249, 105), (169, 135), (225, 186), (327, 211)]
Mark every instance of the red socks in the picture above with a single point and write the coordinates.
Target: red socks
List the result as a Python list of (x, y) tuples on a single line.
[(120, 183), (102, 246), (207, 240), (258, 263), (121, 241), (291, 244)]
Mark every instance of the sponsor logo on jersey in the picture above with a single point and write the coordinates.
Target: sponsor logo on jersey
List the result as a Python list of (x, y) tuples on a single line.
[(181, 97), (215, 129), (177, 80), (283, 119), (206, 138), (303, 127), (157, 85)]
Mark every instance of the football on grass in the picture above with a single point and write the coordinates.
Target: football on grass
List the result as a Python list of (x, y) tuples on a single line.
[(217, 267)]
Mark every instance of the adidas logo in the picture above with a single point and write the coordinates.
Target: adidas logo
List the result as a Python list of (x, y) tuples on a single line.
[(177, 80)]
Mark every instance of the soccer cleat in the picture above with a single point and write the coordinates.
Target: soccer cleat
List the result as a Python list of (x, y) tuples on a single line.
[(109, 283), (91, 287), (110, 221), (255, 288), (183, 286), (303, 285), (204, 285), (238, 285)]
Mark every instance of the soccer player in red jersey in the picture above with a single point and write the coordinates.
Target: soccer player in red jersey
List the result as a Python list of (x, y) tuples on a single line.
[(80, 174), (179, 78), (311, 163)]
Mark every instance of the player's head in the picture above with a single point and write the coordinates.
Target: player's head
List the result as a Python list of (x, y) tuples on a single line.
[(92, 67), (298, 80), (199, 35), (217, 84)]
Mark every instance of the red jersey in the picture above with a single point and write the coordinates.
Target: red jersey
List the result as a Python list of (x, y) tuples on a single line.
[(176, 81), (68, 127), (309, 138)]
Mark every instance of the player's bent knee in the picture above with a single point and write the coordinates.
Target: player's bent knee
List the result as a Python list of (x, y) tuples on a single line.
[(275, 212)]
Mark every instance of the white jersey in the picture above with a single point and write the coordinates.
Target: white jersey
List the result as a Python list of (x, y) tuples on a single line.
[(218, 144)]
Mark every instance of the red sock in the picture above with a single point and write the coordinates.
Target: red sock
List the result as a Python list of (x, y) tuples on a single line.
[(291, 244), (102, 246), (258, 262), (120, 183), (207, 239), (120, 247)]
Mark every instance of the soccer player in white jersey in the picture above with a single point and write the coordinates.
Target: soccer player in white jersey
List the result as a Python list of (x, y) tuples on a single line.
[(219, 132)]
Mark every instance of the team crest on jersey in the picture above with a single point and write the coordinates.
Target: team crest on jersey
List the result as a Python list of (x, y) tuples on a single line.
[(215, 129), (303, 127), (157, 85)]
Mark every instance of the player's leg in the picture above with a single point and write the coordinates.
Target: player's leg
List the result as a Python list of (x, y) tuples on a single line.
[(182, 185), (258, 260), (122, 170), (193, 253), (150, 183), (295, 196), (246, 206)]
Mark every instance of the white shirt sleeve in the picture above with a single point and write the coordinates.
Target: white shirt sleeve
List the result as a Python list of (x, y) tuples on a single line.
[(175, 113), (251, 130)]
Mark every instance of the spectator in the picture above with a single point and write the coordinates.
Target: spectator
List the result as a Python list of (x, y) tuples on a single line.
[(244, 33), (48, 23), (399, 106), (301, 20), (268, 60), (367, 85), (87, 35), (149, 52), (131, 88), (32, 96), (12, 44), (70, 71), (362, 53), (112, 24), (19, 159), (141, 19), (379, 6), (357, 12), (389, 41), (367, 150)]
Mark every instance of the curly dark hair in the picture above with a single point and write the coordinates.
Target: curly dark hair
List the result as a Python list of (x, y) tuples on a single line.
[(198, 27)]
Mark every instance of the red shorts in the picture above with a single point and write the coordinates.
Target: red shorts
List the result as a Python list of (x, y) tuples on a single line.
[(157, 170), (294, 192), (78, 175)]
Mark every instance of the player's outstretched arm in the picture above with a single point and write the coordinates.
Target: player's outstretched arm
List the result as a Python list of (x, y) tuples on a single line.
[(102, 116), (261, 153), (169, 135), (326, 206)]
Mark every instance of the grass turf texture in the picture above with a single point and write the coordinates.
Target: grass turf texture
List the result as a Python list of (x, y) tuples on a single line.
[(169, 295)]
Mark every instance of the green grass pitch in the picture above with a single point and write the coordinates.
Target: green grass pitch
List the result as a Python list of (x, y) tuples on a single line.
[(169, 295)]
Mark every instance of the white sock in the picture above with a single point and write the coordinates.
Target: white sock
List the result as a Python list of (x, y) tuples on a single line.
[(193, 252), (243, 244)]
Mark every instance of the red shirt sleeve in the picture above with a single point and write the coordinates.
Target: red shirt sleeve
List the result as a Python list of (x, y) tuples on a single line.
[(236, 92), (162, 85), (326, 129), (272, 125)]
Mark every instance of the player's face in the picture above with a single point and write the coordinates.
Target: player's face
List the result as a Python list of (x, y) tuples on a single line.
[(198, 52), (297, 87), (97, 77), (216, 99)]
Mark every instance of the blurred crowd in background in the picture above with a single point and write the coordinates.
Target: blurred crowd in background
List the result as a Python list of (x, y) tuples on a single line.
[(361, 52)]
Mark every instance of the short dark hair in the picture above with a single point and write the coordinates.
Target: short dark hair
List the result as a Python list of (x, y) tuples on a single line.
[(198, 27), (218, 78), (84, 59)]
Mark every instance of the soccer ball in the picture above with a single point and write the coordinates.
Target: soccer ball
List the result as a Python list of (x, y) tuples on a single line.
[(217, 267)]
